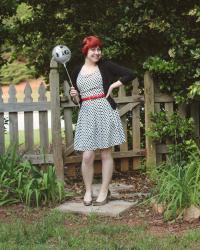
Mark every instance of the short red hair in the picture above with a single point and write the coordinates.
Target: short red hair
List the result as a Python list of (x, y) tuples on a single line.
[(90, 42)]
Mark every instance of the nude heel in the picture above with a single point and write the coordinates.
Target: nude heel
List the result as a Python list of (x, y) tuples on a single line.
[(100, 203)]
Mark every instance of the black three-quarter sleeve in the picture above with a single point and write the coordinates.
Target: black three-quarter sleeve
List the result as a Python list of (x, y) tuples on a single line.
[(125, 74)]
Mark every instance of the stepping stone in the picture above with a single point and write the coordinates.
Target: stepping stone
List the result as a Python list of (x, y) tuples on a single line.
[(112, 208), (114, 188)]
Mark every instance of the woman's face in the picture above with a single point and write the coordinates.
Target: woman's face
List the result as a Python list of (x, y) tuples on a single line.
[(94, 54)]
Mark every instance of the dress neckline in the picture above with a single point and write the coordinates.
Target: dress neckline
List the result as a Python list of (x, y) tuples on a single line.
[(90, 73)]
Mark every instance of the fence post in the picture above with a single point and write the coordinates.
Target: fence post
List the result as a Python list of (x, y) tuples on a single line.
[(136, 125), (149, 107), (55, 120)]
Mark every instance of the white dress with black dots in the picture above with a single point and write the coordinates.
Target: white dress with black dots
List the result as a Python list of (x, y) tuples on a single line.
[(98, 125)]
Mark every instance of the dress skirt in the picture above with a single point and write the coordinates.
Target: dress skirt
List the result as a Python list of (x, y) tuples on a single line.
[(99, 125)]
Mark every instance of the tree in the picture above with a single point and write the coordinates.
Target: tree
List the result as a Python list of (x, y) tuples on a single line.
[(161, 36)]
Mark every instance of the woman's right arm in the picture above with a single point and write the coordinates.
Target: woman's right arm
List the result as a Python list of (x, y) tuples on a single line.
[(74, 93)]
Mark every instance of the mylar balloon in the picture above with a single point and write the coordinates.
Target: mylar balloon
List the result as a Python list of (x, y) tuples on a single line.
[(61, 54)]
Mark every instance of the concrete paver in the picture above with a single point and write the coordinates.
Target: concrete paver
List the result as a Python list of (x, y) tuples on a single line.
[(113, 208)]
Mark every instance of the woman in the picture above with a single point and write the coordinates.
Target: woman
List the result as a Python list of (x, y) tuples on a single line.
[(99, 125)]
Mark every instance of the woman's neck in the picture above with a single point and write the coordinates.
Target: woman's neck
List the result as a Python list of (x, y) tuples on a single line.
[(88, 63)]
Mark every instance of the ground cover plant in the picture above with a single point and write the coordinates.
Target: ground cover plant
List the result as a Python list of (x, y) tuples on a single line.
[(22, 182)]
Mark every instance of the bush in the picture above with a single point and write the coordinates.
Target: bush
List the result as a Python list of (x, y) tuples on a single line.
[(178, 130), (23, 182), (177, 184), (175, 128), (16, 72), (178, 179)]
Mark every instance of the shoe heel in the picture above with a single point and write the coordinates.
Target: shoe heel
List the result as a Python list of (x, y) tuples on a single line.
[(88, 203), (97, 203)]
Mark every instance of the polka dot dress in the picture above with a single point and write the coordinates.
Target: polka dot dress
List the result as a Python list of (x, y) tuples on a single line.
[(98, 125)]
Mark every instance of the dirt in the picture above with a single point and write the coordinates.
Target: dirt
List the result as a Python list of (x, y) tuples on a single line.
[(138, 215)]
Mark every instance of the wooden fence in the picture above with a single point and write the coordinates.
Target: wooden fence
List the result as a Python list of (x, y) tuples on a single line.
[(156, 101), (134, 109), (27, 107)]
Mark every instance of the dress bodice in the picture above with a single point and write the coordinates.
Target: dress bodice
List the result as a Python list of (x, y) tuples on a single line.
[(90, 84)]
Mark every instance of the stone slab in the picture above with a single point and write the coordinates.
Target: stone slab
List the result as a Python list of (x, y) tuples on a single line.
[(112, 208), (114, 188)]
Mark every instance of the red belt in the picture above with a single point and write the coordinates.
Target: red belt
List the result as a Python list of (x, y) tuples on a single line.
[(93, 97)]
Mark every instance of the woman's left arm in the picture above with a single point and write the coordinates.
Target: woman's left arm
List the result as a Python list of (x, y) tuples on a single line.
[(125, 75)]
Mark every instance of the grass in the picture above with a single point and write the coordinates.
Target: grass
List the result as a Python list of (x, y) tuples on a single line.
[(59, 230), (36, 137), (22, 139)]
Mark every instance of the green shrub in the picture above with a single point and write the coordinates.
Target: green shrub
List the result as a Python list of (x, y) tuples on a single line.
[(16, 72), (178, 178), (174, 127), (177, 184), (23, 182), (178, 130)]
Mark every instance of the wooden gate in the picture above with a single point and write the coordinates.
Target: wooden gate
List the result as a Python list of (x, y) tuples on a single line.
[(127, 156), (134, 109)]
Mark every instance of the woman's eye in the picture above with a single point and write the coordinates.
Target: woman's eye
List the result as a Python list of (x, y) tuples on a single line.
[(97, 49)]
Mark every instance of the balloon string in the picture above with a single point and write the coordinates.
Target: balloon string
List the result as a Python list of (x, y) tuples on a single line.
[(71, 83), (68, 75)]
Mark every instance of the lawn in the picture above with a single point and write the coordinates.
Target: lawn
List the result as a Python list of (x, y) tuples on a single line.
[(36, 133), (56, 230), (22, 139)]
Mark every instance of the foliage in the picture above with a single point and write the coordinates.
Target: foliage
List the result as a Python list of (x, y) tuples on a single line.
[(177, 180), (178, 183), (173, 127), (24, 182), (160, 36), (194, 90), (15, 72), (8, 8), (177, 130)]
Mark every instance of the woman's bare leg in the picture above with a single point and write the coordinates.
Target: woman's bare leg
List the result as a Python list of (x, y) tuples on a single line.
[(107, 171), (87, 168)]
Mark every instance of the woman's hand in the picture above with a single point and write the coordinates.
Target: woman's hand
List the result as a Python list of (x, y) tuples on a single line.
[(109, 91), (74, 95), (73, 92), (112, 86)]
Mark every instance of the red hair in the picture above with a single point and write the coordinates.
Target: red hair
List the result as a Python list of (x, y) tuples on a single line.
[(90, 42)]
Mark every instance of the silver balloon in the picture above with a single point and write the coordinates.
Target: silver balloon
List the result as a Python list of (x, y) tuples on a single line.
[(61, 54)]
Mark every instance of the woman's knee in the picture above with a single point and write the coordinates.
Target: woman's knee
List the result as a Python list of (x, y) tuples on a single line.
[(88, 157), (106, 153)]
